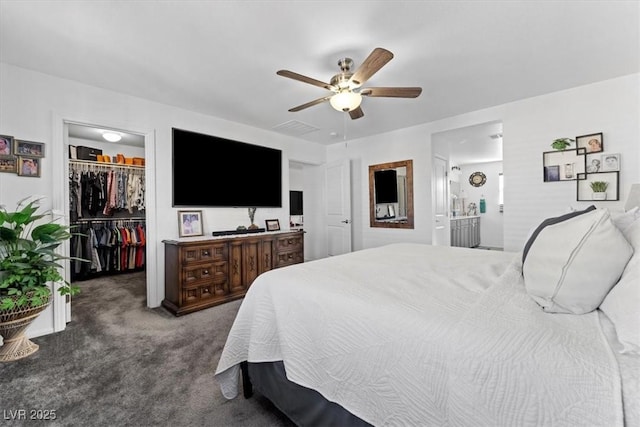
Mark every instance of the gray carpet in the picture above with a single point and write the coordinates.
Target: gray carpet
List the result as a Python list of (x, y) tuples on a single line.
[(119, 363)]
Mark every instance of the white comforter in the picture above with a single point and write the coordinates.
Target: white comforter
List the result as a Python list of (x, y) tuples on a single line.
[(416, 335)]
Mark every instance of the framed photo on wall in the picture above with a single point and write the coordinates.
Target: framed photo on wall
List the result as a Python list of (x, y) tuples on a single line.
[(610, 162), (28, 166), (190, 223), (272, 224), (6, 145), (28, 148), (8, 164), (593, 143)]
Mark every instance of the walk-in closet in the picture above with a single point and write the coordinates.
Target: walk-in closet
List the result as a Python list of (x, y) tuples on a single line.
[(106, 188)]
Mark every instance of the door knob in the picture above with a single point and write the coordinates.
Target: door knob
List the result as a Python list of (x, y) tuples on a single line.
[(346, 221)]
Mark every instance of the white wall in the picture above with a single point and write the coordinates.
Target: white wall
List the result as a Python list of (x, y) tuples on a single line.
[(32, 102), (529, 127)]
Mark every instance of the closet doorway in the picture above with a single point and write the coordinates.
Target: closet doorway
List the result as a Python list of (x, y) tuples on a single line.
[(118, 218), (107, 202)]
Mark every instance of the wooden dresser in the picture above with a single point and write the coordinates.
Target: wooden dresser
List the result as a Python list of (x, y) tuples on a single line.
[(203, 272)]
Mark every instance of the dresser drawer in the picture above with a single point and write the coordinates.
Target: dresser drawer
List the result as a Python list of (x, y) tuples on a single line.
[(215, 271), (203, 253), (291, 243), (288, 258)]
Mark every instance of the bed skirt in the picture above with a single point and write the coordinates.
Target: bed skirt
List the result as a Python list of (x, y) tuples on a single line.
[(303, 406)]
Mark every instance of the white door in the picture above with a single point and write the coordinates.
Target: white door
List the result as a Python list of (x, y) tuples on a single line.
[(440, 235), (338, 186)]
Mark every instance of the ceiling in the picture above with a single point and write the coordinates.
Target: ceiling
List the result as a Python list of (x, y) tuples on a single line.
[(479, 143), (220, 57)]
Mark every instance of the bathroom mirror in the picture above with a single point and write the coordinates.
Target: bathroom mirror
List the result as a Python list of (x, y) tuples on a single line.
[(391, 194)]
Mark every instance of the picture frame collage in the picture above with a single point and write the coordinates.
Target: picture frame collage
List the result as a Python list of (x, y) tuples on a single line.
[(21, 157), (584, 164)]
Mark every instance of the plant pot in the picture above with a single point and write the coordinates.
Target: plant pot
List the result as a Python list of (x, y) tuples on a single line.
[(13, 324), (599, 195)]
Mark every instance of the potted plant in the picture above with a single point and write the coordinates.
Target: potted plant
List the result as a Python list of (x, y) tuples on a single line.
[(599, 189), (561, 143), (28, 262)]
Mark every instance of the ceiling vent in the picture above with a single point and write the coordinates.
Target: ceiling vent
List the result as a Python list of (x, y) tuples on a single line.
[(295, 128)]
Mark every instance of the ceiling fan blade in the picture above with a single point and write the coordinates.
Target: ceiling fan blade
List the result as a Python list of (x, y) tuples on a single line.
[(310, 104), (376, 60), (392, 92), (305, 79), (356, 114)]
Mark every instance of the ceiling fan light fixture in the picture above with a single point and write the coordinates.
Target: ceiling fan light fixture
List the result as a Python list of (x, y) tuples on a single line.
[(346, 100), (112, 136)]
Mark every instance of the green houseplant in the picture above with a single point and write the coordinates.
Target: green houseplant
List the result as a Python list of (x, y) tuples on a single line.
[(561, 143), (28, 262), (599, 189)]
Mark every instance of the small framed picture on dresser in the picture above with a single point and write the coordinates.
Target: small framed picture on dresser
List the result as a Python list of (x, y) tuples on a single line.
[(272, 224), (190, 223)]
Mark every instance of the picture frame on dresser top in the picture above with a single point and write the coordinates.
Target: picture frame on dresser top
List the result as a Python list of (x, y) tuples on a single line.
[(190, 223), (272, 224), (584, 192)]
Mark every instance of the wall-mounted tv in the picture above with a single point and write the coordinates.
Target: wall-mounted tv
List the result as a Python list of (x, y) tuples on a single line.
[(209, 171), (386, 186)]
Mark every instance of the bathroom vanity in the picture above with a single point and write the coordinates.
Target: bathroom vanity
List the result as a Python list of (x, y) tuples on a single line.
[(465, 231)]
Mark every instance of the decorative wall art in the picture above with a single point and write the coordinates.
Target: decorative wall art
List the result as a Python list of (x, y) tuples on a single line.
[(21, 157), (6, 145), (597, 174), (8, 164), (28, 166), (610, 162), (477, 179), (592, 143), (586, 189), (28, 148), (563, 165)]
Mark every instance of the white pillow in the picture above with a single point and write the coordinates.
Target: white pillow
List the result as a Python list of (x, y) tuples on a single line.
[(571, 265), (623, 220), (622, 304)]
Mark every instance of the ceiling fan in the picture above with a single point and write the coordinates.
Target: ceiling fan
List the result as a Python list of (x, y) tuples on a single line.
[(347, 85)]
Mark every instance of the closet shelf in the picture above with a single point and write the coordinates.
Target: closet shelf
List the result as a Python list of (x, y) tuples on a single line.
[(115, 219), (104, 165)]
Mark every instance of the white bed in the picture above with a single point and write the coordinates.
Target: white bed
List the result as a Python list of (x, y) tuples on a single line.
[(412, 334)]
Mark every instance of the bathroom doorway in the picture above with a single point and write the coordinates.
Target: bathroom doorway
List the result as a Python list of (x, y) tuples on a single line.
[(475, 182)]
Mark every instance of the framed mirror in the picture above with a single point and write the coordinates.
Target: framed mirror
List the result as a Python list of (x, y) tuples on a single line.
[(391, 195)]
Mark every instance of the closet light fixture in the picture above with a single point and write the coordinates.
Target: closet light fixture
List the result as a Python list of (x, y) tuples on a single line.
[(112, 136)]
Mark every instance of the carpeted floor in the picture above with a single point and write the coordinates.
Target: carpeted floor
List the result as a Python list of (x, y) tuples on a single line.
[(119, 363)]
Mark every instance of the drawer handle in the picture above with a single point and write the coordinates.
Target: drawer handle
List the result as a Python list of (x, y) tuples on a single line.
[(205, 252), (290, 256), (290, 241), (206, 271)]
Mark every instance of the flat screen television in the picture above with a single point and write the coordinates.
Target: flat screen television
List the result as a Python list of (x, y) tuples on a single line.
[(386, 186), (295, 202), (209, 171)]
